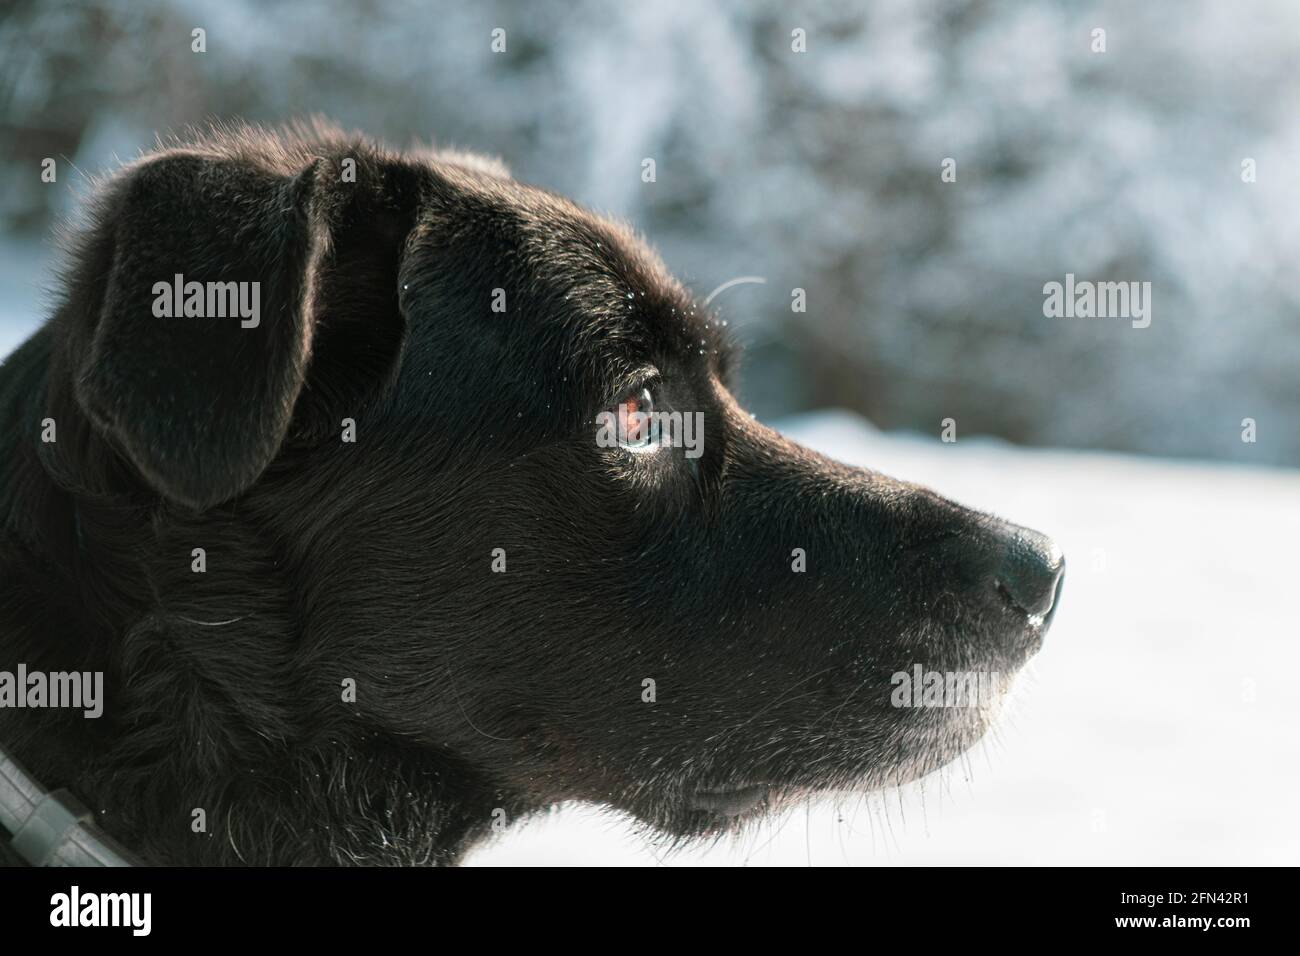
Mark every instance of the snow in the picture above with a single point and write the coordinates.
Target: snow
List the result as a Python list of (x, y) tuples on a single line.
[(1157, 725)]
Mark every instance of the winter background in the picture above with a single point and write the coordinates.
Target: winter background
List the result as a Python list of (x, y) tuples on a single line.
[(1159, 724)]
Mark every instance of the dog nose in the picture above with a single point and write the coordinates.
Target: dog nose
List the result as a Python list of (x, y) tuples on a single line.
[(1031, 571)]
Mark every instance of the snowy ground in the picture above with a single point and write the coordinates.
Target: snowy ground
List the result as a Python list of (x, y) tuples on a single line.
[(1157, 726)]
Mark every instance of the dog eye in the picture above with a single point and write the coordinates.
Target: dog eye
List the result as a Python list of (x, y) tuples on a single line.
[(638, 426)]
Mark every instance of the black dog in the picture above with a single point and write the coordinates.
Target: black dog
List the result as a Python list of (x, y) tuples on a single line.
[(361, 576)]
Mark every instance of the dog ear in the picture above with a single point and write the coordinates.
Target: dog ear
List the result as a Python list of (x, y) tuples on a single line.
[(209, 308)]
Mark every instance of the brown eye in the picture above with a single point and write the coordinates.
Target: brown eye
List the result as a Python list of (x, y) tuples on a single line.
[(637, 428)]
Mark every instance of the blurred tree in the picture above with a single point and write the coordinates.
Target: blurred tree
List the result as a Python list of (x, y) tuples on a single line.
[(818, 169)]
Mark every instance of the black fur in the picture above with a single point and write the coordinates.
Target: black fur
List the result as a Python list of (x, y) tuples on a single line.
[(482, 696)]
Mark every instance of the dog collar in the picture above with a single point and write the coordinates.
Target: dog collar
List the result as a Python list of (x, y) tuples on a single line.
[(51, 828)]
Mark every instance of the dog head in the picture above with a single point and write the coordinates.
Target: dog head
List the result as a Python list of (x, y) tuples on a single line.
[(484, 448)]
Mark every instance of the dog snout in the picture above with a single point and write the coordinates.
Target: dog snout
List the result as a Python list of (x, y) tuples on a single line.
[(1030, 570)]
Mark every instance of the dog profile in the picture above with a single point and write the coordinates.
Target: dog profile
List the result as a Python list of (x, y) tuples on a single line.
[(362, 581)]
